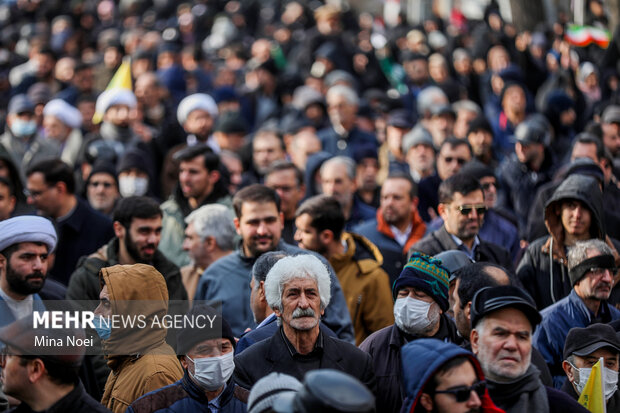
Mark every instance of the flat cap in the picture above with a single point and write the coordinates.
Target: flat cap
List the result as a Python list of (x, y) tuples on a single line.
[(585, 341), (491, 299)]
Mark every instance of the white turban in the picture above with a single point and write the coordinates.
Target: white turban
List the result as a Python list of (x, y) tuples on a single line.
[(67, 114), (113, 97), (27, 228), (193, 102)]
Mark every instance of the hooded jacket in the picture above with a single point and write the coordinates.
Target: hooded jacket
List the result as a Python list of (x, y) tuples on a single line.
[(422, 358), (365, 285), (139, 358), (543, 269)]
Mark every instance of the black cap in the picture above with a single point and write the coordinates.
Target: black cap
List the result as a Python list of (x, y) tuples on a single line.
[(328, 391), (231, 122), (585, 341), (586, 166), (532, 130), (480, 123), (364, 151), (400, 118), (492, 299), (203, 330), (103, 167), (453, 260)]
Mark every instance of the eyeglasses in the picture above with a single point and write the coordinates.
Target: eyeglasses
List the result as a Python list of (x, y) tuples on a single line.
[(35, 194), (463, 393), (95, 184), (466, 209), (450, 159)]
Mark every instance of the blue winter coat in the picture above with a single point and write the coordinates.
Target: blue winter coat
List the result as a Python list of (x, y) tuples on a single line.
[(558, 319), (185, 396)]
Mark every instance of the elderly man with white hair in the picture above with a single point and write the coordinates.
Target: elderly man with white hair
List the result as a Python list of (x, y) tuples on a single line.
[(209, 236), (343, 137), (297, 288)]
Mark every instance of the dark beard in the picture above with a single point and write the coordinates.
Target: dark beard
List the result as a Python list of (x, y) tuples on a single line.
[(134, 252), (21, 285)]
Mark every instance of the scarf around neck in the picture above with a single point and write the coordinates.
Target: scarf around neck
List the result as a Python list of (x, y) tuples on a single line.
[(522, 395)]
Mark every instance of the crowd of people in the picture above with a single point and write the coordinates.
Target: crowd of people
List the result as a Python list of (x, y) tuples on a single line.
[(380, 215)]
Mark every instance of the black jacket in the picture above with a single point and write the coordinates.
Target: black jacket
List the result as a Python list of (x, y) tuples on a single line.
[(439, 241), (384, 348), (76, 401), (80, 234), (273, 355)]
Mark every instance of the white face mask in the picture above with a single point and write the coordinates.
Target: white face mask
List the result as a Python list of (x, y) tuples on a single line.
[(132, 186), (414, 316), (610, 380), (213, 372)]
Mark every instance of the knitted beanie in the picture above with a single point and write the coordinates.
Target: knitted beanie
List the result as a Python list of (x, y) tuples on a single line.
[(427, 274)]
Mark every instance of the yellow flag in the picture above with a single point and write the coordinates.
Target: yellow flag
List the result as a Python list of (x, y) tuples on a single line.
[(592, 397), (120, 80)]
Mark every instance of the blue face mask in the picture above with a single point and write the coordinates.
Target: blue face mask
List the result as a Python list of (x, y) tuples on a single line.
[(103, 329), (21, 127)]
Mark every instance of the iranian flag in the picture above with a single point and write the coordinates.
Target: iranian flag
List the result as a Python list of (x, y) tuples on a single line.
[(584, 35)]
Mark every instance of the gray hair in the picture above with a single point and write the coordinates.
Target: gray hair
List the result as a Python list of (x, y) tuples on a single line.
[(340, 160), (579, 252), (341, 90), (429, 97), (298, 266), (214, 220), (467, 105)]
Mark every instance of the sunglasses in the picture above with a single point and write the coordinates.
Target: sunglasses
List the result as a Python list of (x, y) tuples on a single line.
[(450, 159), (466, 209), (463, 393)]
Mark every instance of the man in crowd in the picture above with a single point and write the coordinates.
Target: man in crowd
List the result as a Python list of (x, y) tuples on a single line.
[(419, 153), (527, 169), (139, 358), (298, 291), (40, 377), (209, 236), (590, 269), (453, 154), (582, 349), (288, 181), (81, 229), (258, 221), (503, 319), (397, 224), (267, 148), (21, 138), (8, 200), (468, 281), (102, 190), (443, 378), (137, 229), (356, 261), (480, 138), (200, 183), (574, 213), (203, 351), (25, 245), (342, 137), (197, 114), (461, 206), (338, 180), (421, 303), (264, 316)]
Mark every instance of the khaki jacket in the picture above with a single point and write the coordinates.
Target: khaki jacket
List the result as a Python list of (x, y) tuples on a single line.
[(366, 286), (139, 358)]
